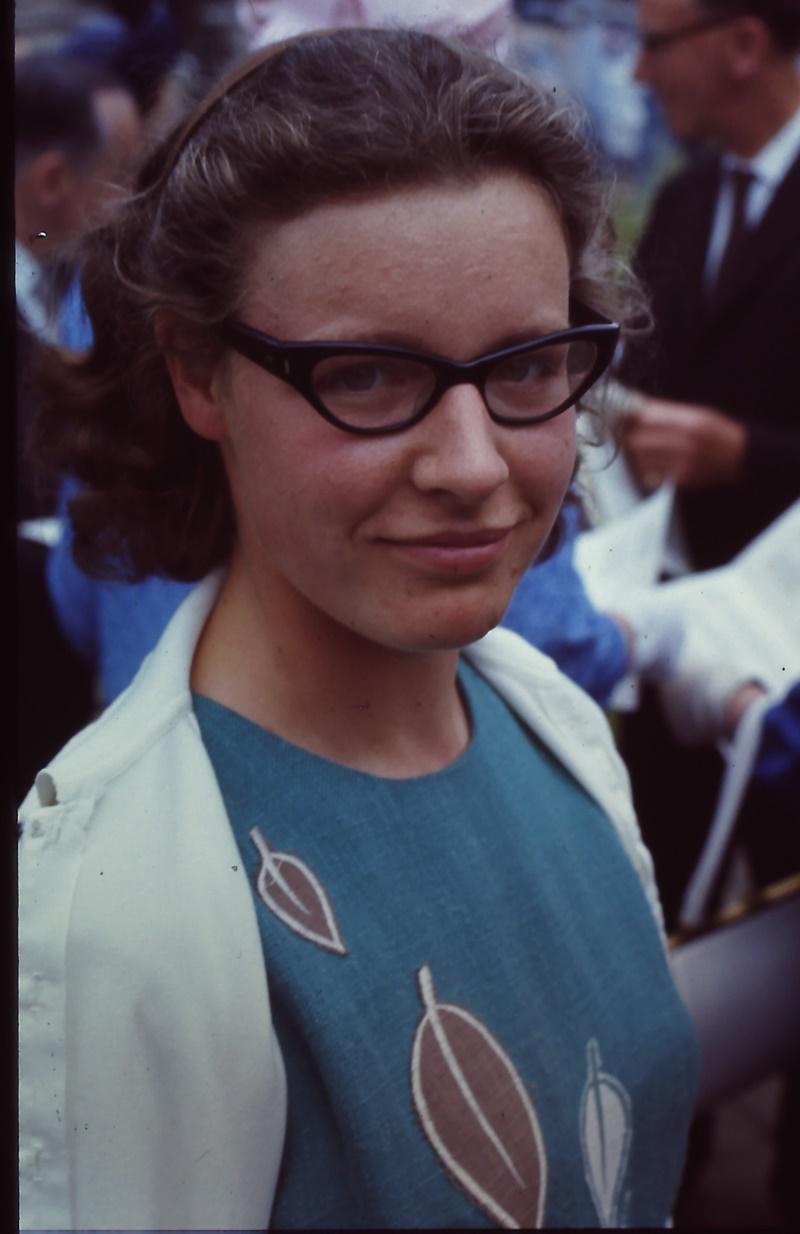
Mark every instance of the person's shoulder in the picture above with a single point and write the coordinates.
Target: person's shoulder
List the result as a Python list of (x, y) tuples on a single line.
[(698, 174), (688, 189), (575, 729), (151, 711), (504, 648), (99, 754), (522, 672)]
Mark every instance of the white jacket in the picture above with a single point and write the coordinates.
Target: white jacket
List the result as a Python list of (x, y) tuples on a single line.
[(152, 1089)]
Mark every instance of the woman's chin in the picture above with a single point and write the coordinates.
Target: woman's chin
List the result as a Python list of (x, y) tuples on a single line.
[(451, 633)]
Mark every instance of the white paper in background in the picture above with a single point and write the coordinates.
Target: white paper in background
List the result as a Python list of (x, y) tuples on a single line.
[(47, 531), (746, 614), (608, 487), (610, 492), (627, 553)]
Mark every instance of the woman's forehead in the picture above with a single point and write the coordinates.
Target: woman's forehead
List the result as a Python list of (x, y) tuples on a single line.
[(403, 250)]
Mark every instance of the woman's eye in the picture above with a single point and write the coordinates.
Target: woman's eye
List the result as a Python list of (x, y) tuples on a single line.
[(528, 368), (359, 378), (522, 368), (362, 377)]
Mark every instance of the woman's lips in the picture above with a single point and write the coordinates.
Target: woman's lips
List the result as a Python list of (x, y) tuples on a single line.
[(454, 552)]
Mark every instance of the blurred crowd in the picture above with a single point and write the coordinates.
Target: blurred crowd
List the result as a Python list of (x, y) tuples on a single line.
[(703, 402)]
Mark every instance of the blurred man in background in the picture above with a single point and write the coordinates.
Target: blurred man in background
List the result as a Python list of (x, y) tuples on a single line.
[(720, 257), (78, 142), (78, 138), (717, 409)]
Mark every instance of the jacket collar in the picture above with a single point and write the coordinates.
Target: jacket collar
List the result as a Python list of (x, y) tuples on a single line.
[(770, 242), (160, 695)]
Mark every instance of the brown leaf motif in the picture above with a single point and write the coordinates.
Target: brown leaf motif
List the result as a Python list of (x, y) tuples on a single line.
[(293, 893), (476, 1113)]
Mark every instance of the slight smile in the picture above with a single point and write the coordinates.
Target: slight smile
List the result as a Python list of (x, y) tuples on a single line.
[(454, 553)]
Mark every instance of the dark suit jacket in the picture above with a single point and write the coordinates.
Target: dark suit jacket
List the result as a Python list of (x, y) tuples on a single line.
[(740, 354)]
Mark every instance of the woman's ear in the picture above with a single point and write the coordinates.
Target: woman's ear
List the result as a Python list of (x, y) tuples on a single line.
[(196, 378)]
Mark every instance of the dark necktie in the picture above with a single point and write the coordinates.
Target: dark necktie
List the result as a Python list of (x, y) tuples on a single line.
[(740, 180)]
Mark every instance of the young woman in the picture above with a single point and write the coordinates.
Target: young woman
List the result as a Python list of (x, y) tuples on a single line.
[(338, 916)]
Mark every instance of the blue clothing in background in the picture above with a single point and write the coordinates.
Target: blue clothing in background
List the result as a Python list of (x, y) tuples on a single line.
[(551, 609), (777, 766), (115, 624), (74, 327)]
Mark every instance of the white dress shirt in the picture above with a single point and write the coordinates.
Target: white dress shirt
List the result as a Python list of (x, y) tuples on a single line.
[(768, 169), (30, 287)]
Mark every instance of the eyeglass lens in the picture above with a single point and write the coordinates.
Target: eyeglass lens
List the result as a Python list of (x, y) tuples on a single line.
[(377, 391)]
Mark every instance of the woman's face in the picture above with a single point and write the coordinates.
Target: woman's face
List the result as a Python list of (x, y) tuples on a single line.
[(412, 541)]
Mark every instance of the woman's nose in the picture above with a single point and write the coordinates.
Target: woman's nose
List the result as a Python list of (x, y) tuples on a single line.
[(459, 449)]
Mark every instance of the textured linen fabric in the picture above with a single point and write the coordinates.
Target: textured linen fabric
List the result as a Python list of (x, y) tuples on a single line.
[(495, 885)]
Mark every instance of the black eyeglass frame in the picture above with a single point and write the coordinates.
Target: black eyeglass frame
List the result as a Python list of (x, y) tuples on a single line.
[(657, 40), (294, 363)]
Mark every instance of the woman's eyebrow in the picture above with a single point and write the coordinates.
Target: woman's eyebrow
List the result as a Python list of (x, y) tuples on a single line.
[(416, 342), (529, 335)]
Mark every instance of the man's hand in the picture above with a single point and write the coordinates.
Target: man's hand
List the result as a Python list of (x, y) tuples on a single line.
[(738, 702), (691, 446)]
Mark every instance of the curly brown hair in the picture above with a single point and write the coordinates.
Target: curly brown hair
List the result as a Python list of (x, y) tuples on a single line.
[(322, 117)]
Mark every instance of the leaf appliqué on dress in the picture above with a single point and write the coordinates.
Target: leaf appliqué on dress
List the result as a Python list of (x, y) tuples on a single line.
[(605, 1130), (476, 1113), (293, 893)]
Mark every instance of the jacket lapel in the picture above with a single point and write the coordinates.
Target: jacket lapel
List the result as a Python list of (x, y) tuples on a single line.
[(776, 236), (695, 238)]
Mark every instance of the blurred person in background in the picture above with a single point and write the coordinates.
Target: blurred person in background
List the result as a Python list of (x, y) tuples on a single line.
[(106, 86), (719, 415), (486, 24), (78, 138), (778, 765), (42, 25), (715, 408), (141, 42)]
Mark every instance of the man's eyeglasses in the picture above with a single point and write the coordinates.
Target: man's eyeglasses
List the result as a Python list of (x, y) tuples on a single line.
[(369, 388), (656, 40)]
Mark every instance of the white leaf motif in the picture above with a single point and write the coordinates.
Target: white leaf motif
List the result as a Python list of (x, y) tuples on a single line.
[(605, 1131)]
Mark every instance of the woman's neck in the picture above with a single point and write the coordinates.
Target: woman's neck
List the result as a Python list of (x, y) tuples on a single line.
[(278, 661)]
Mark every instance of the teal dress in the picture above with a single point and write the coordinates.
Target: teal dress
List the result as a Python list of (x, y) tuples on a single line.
[(468, 987)]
